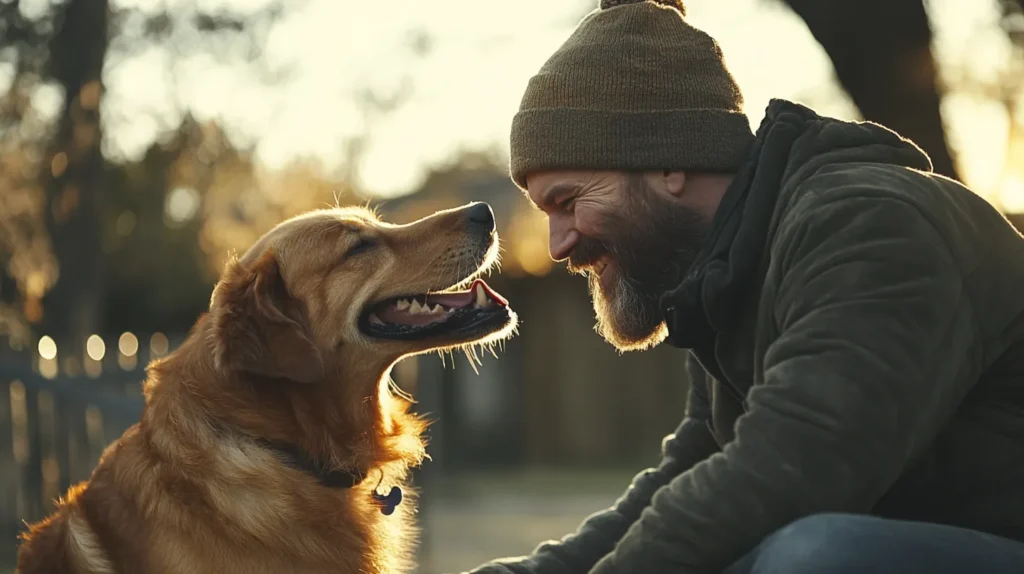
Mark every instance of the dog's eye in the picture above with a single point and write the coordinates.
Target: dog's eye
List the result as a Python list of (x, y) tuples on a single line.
[(362, 245)]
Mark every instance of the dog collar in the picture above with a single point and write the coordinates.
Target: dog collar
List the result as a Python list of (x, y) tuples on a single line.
[(299, 460)]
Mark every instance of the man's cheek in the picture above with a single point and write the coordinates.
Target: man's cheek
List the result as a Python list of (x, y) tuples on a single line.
[(592, 222)]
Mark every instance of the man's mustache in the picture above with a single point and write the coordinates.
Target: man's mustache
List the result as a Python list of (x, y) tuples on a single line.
[(585, 255)]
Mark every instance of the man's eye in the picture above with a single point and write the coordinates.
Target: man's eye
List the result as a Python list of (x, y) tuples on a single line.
[(362, 245)]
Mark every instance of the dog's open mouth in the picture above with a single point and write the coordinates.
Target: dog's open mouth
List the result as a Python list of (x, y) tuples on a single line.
[(457, 314)]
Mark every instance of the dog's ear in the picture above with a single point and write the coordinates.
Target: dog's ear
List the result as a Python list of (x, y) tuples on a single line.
[(259, 328)]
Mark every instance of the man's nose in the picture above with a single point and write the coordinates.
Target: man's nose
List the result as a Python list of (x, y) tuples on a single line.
[(562, 237)]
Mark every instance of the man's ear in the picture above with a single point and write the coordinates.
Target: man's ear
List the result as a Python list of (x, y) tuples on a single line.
[(259, 328), (674, 181)]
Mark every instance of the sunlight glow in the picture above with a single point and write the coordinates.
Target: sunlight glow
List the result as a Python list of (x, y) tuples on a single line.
[(467, 78), (48, 368), (95, 347), (528, 243), (181, 205), (1012, 194), (125, 223), (47, 348), (128, 344), (128, 347), (158, 344)]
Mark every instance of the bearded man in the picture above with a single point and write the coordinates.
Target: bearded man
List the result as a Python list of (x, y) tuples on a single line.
[(855, 322)]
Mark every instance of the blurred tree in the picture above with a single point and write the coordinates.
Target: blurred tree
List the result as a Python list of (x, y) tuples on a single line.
[(178, 212), (155, 273), (882, 54), (136, 243), (73, 182), (883, 57), (52, 189), (28, 269)]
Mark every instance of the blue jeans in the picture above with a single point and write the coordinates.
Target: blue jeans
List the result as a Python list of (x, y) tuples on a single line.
[(856, 544)]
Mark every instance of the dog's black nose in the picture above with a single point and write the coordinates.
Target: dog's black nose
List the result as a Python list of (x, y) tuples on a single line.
[(480, 217)]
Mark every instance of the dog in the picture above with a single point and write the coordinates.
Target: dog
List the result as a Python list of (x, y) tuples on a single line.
[(272, 440)]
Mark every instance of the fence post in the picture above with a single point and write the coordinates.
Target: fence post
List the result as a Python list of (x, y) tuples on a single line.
[(32, 474), (11, 483), (429, 398)]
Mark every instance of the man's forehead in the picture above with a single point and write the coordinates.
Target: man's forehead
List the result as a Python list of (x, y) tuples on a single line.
[(546, 185)]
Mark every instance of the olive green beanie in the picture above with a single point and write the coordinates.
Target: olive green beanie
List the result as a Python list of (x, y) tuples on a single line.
[(634, 88)]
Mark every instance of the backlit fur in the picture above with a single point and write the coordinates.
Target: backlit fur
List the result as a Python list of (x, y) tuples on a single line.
[(278, 356)]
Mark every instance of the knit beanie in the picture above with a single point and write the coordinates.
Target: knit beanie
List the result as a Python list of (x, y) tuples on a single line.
[(634, 88)]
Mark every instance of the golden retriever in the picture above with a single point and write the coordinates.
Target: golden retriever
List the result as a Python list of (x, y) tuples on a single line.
[(272, 440)]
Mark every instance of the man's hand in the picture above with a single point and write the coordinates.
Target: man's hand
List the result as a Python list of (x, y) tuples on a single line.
[(578, 552)]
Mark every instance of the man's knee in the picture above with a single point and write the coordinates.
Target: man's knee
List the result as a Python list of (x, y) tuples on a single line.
[(833, 543)]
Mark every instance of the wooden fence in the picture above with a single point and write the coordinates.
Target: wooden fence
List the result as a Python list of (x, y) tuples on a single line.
[(58, 413)]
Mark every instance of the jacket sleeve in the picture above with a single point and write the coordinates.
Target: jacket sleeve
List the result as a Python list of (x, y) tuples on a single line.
[(578, 552), (875, 350)]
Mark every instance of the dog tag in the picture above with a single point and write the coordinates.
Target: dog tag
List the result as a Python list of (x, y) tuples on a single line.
[(388, 502)]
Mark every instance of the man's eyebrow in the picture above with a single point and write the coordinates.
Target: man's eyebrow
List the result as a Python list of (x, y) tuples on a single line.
[(559, 189)]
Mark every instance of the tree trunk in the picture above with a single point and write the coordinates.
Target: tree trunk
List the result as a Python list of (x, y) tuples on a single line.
[(73, 179), (881, 51)]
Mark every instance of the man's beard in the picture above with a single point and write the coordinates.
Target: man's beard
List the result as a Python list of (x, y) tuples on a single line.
[(651, 243)]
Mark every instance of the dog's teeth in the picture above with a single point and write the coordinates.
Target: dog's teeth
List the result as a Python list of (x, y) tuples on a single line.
[(481, 296), (437, 308), (374, 319), (402, 305), (415, 308)]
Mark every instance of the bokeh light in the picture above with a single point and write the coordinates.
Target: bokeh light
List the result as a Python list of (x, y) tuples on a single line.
[(95, 347), (158, 344), (128, 344), (47, 348)]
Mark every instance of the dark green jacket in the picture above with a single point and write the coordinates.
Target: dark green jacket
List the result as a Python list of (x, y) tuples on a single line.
[(860, 324)]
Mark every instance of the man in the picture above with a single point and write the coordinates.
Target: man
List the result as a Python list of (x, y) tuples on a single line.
[(855, 322)]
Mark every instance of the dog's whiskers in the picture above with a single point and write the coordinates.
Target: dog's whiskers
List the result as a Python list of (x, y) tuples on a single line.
[(398, 391), (470, 352)]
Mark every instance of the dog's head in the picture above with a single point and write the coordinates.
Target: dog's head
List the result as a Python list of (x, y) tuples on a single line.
[(341, 283)]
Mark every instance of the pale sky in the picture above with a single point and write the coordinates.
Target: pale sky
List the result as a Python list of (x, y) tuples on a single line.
[(467, 87)]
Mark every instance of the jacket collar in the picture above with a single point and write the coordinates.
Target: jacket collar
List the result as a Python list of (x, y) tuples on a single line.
[(791, 143)]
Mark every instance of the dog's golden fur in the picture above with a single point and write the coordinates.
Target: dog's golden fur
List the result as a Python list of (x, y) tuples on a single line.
[(279, 356)]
